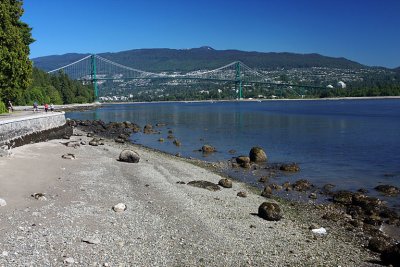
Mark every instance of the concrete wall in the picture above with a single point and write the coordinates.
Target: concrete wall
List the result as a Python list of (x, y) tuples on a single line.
[(12, 128)]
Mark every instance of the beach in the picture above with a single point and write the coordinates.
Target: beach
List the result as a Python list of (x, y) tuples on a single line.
[(166, 223)]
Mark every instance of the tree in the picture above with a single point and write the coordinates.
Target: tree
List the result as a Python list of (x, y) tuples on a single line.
[(15, 38)]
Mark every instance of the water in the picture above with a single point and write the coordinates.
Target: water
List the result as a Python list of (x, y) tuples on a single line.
[(351, 143)]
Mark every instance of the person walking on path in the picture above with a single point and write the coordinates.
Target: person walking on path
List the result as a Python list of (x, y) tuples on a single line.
[(46, 107), (10, 107), (51, 107), (35, 106)]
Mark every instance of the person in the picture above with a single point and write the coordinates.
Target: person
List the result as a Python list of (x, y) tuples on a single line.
[(51, 107), (10, 107), (46, 107), (35, 106)]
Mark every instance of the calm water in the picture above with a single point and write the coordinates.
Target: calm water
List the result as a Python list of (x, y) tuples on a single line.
[(351, 143)]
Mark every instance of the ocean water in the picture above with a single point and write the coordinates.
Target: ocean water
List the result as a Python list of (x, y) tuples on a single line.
[(350, 143)]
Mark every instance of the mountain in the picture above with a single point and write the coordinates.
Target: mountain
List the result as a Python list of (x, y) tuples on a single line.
[(164, 59)]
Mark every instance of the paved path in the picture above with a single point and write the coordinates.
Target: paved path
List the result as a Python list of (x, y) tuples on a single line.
[(20, 114)]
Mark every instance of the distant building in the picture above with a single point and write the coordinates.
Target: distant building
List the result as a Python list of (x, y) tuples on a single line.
[(341, 84)]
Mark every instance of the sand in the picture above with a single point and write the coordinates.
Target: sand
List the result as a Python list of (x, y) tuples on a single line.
[(166, 223)]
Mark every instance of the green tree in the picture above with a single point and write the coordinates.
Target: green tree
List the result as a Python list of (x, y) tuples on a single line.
[(15, 37)]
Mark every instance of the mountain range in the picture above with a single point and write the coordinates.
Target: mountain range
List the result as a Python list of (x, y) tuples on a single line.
[(164, 59)]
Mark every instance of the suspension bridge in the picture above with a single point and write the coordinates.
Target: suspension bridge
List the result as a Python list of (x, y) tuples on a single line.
[(95, 69)]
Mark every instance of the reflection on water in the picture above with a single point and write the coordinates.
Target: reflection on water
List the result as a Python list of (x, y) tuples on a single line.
[(352, 143)]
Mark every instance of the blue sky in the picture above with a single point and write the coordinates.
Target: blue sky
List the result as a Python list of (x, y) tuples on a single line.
[(364, 31)]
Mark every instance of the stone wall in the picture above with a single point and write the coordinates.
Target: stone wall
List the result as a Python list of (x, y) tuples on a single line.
[(20, 127)]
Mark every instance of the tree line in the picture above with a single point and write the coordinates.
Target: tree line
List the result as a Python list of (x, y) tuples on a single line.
[(20, 82)]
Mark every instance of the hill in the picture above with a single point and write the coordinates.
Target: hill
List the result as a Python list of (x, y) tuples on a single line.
[(164, 59)]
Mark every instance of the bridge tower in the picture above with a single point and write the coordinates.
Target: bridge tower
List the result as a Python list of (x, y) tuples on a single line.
[(93, 76), (238, 80)]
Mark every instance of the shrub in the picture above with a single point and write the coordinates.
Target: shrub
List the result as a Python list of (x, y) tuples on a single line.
[(3, 108)]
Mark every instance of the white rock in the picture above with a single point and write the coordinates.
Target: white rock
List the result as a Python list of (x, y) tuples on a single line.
[(69, 260), (4, 254), (319, 231), (119, 207), (2, 202)]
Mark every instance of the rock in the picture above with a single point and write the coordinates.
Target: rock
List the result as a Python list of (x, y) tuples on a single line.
[(302, 185), (2, 202), (4, 254), (177, 142), (69, 260), (242, 159), (313, 195), (170, 136), (327, 189), (207, 149), (267, 192), (391, 255), (204, 184), (287, 186), (388, 190), (90, 135), (148, 129), (246, 165), (119, 140), (92, 240), (263, 179), (120, 207), (161, 140), (170, 132), (319, 231), (160, 124), (68, 156), (232, 151), (83, 143), (276, 187), (257, 154), (242, 194), (73, 144), (366, 202), (225, 183), (130, 156), (39, 196), (378, 244), (314, 226), (270, 211), (343, 197), (290, 167)]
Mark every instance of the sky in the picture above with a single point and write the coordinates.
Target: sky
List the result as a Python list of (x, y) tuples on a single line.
[(366, 31)]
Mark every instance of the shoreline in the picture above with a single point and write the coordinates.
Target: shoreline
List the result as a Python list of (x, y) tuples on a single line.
[(166, 223)]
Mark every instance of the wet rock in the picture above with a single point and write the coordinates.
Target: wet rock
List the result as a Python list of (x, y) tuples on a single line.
[(225, 183), (276, 187), (270, 211), (170, 136), (69, 260), (242, 159), (245, 165), (366, 202), (290, 167), (388, 190), (263, 179), (257, 154), (177, 142), (267, 192), (362, 190), (160, 124), (68, 156), (389, 213), (161, 140), (313, 195), (170, 132), (302, 185), (287, 186), (204, 184), (232, 151), (130, 156), (242, 194), (327, 189), (148, 129), (120, 207), (343, 197), (378, 244), (355, 212), (391, 255), (2, 202), (208, 149), (374, 220)]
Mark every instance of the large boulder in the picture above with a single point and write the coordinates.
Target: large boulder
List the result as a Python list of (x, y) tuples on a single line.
[(302, 185), (290, 167), (130, 156), (343, 197), (257, 154), (148, 129), (270, 211)]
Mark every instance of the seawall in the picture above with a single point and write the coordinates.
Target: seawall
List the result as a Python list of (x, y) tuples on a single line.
[(29, 128)]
